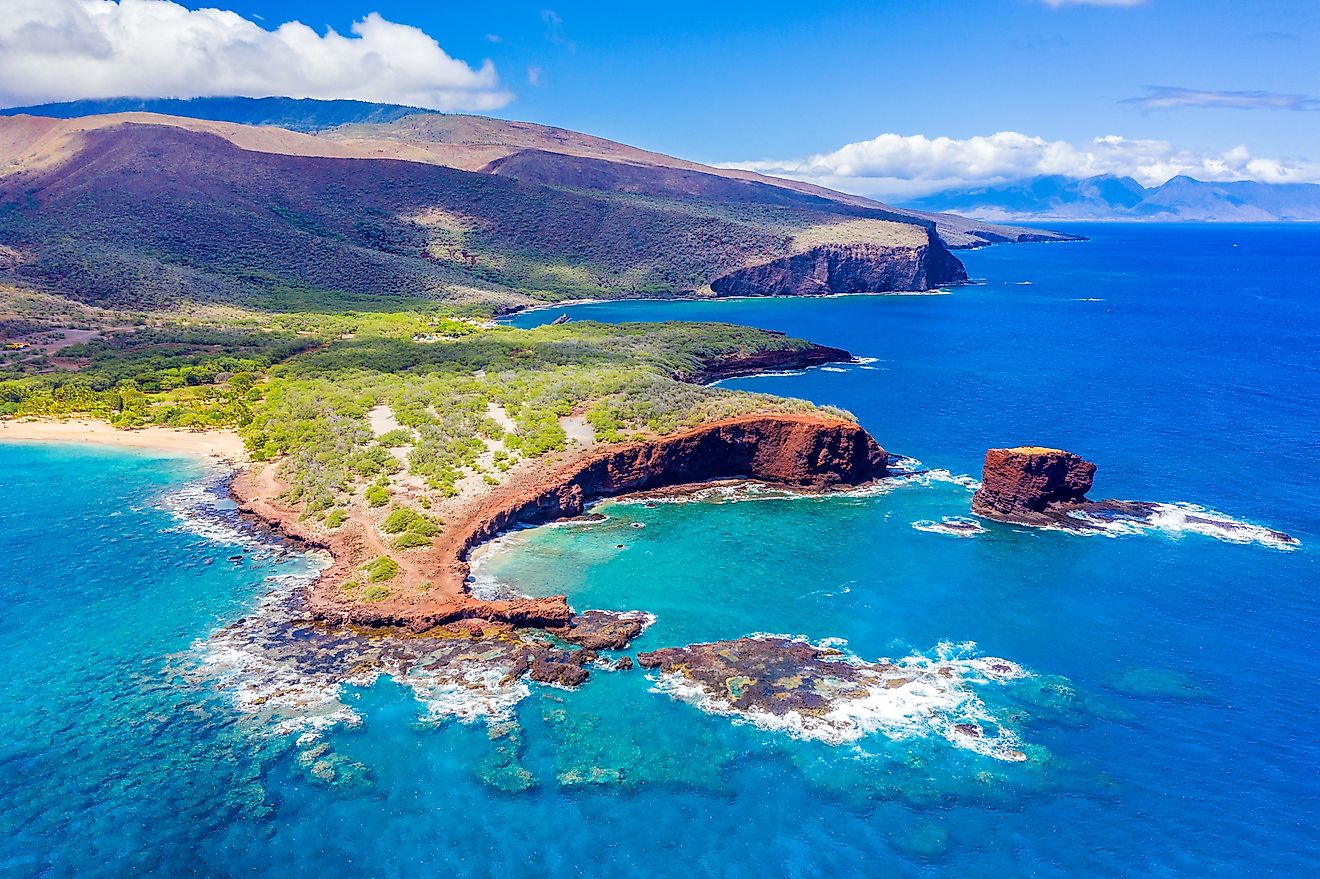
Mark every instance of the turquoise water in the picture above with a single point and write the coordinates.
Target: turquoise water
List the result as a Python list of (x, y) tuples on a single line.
[(1169, 718)]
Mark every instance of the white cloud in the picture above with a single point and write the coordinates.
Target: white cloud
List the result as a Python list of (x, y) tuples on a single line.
[(899, 165), (55, 50)]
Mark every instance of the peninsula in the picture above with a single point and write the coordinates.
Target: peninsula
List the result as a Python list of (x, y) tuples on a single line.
[(324, 286)]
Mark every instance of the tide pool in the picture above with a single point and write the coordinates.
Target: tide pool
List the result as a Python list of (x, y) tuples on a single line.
[(1167, 717)]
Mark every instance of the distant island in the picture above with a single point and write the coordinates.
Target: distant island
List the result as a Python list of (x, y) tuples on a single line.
[(1106, 197)]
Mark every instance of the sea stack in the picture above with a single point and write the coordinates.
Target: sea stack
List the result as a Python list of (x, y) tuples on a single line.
[(1031, 485)]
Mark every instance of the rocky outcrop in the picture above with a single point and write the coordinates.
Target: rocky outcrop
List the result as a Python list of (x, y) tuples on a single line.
[(603, 629), (1031, 485), (756, 362), (802, 451), (807, 452), (848, 268)]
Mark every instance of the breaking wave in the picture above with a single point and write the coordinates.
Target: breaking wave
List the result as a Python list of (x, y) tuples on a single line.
[(910, 698), (957, 526), (1179, 519)]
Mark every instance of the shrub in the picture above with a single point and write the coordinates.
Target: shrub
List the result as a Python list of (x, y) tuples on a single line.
[(378, 496), (376, 593), (411, 539), (381, 569), (402, 519), (335, 518), (395, 438)]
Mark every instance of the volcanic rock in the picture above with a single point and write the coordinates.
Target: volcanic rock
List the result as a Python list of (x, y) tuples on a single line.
[(1031, 485), (565, 674), (847, 268), (602, 629)]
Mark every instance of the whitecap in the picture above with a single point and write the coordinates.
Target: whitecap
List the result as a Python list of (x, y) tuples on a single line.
[(1179, 519), (957, 526), (911, 698)]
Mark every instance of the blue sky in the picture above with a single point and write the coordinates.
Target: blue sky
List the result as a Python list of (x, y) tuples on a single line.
[(789, 85)]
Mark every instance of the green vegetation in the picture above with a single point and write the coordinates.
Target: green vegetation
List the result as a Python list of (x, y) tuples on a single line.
[(410, 540), (376, 592), (395, 438), (381, 569), (221, 224), (471, 399), (403, 519)]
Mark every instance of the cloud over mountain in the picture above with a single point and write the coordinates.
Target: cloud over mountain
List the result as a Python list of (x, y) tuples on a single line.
[(52, 50), (895, 164)]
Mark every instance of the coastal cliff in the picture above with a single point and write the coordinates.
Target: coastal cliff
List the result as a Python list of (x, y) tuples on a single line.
[(1031, 484), (806, 452), (758, 362), (848, 268)]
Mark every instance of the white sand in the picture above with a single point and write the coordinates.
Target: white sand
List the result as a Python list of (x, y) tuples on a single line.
[(223, 444)]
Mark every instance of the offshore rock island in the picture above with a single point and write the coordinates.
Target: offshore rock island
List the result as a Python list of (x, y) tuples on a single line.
[(1042, 487)]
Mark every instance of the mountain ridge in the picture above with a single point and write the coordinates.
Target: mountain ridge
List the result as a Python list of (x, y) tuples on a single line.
[(1107, 197), (470, 142), (140, 209)]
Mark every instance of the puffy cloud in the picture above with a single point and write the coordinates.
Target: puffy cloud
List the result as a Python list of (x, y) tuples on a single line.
[(1171, 98), (906, 165), (55, 50)]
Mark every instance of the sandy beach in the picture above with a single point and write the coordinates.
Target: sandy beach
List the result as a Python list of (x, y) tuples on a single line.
[(224, 445)]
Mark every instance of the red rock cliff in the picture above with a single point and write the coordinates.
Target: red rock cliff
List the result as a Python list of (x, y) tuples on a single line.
[(804, 451), (848, 268), (1027, 483)]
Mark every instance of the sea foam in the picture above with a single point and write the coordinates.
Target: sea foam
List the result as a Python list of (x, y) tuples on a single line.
[(916, 697), (1179, 519)]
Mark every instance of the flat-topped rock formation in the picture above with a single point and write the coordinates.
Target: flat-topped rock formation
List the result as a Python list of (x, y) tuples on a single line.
[(1031, 485), (758, 362)]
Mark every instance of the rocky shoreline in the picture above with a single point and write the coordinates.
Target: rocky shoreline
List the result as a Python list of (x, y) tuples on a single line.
[(804, 452), (761, 362)]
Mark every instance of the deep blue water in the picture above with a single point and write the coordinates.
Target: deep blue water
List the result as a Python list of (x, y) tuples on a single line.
[(1169, 721)]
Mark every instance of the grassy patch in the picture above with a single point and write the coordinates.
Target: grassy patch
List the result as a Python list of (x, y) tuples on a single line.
[(411, 540), (382, 569), (376, 593)]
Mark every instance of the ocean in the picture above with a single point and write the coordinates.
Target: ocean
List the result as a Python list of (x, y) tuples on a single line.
[(1165, 706)]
